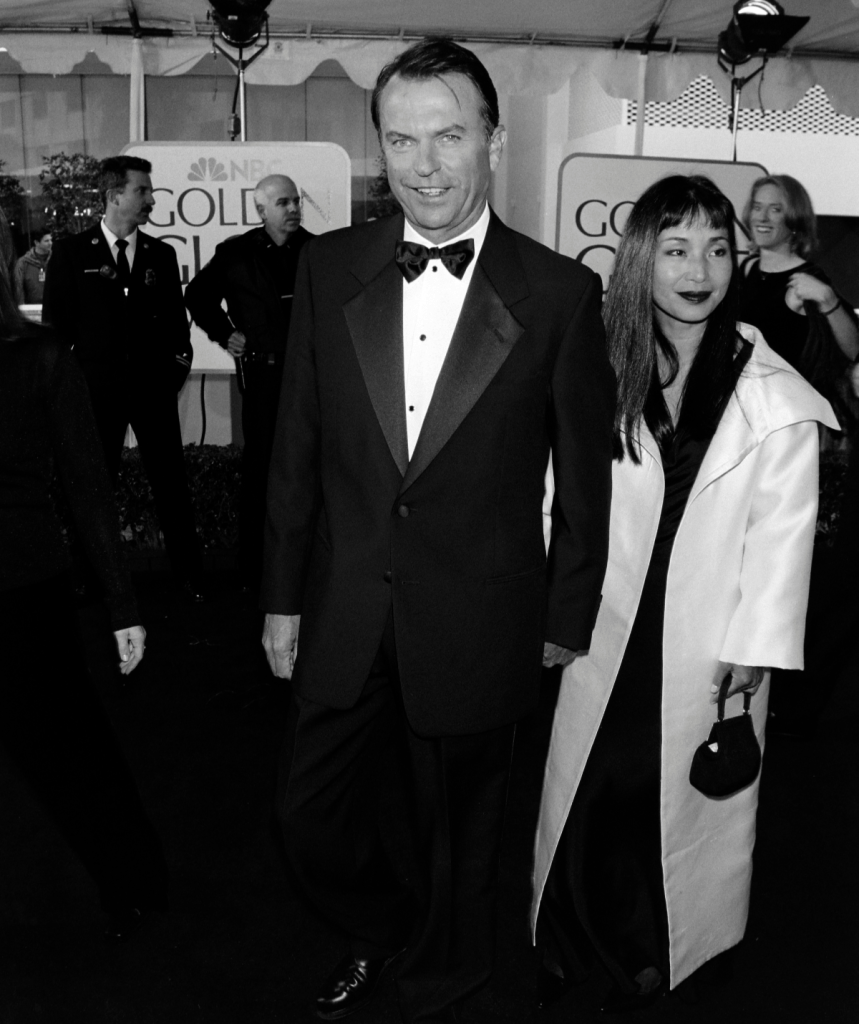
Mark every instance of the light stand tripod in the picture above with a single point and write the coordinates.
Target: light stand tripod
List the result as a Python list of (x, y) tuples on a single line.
[(238, 125), (737, 86)]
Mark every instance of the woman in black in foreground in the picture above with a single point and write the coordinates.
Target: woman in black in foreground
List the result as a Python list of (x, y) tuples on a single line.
[(52, 724)]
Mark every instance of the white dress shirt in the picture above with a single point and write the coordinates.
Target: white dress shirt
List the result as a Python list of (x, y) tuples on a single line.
[(431, 307), (130, 249)]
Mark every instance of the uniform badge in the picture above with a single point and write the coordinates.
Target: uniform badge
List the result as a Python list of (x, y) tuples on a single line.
[(149, 277), (108, 272)]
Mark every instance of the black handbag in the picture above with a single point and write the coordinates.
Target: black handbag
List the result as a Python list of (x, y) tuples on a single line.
[(731, 758)]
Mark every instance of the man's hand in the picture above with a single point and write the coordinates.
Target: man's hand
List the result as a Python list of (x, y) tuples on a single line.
[(130, 643), (744, 679), (236, 343), (280, 640), (553, 655)]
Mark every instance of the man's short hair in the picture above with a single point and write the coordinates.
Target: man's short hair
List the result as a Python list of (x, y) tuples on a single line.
[(431, 58), (113, 172)]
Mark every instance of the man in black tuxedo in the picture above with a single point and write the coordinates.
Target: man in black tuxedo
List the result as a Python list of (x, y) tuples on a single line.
[(255, 274), (115, 294), (432, 366)]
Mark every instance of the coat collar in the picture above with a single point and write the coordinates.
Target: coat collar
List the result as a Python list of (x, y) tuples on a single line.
[(484, 336), (770, 395), (374, 317)]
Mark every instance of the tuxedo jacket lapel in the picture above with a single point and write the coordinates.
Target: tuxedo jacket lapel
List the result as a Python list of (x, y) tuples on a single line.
[(485, 335), (375, 320)]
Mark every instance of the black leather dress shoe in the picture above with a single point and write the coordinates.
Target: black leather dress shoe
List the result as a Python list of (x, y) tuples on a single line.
[(350, 986), (122, 924), (551, 988), (625, 1002)]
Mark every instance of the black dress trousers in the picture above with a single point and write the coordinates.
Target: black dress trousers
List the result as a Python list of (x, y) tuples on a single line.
[(149, 407), (457, 794)]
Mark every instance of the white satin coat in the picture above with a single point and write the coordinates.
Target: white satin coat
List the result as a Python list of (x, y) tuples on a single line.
[(736, 592)]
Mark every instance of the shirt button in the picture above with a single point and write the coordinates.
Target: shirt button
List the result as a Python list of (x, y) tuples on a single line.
[(403, 511), (423, 337), (387, 576)]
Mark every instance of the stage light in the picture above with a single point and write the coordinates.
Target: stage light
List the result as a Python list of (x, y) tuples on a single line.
[(240, 22), (758, 28)]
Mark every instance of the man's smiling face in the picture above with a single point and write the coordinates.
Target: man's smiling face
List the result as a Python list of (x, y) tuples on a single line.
[(439, 156)]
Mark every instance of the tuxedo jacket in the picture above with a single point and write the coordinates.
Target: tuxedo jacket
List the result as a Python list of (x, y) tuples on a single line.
[(145, 333), (451, 540), (258, 290)]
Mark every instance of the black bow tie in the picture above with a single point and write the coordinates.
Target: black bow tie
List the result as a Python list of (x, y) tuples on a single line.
[(412, 257)]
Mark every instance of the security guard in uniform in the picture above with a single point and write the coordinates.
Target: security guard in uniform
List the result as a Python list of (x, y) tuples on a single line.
[(114, 293), (255, 274)]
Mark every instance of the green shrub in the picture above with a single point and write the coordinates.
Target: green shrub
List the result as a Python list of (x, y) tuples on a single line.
[(70, 192), (833, 475), (214, 478)]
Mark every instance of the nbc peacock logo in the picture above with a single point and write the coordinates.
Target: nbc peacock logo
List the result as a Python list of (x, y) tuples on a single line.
[(207, 169)]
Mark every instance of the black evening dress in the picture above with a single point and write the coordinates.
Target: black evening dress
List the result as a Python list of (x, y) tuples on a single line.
[(604, 898), (762, 305)]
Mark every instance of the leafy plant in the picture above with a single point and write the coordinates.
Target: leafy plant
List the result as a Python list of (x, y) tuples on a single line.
[(70, 192), (382, 199), (214, 474), (11, 195), (214, 479), (833, 480)]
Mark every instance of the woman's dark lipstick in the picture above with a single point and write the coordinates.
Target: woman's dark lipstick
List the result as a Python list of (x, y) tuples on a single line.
[(680, 319), (695, 297)]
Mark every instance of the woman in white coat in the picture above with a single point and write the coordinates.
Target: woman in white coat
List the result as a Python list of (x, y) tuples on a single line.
[(712, 526)]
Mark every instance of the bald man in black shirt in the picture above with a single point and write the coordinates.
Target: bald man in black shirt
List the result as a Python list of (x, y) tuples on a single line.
[(255, 273)]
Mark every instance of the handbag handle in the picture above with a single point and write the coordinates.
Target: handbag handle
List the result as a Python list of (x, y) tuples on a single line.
[(723, 695)]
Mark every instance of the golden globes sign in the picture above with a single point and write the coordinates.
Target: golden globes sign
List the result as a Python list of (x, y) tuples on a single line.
[(204, 195), (596, 193)]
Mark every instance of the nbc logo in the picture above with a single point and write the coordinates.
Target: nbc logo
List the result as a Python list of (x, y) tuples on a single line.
[(207, 170)]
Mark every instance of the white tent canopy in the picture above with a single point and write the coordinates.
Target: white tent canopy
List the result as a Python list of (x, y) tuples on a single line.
[(530, 48)]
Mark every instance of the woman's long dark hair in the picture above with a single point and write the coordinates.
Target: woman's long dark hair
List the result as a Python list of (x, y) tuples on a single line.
[(632, 331)]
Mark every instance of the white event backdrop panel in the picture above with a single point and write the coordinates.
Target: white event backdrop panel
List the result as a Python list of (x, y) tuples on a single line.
[(596, 193), (204, 195)]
